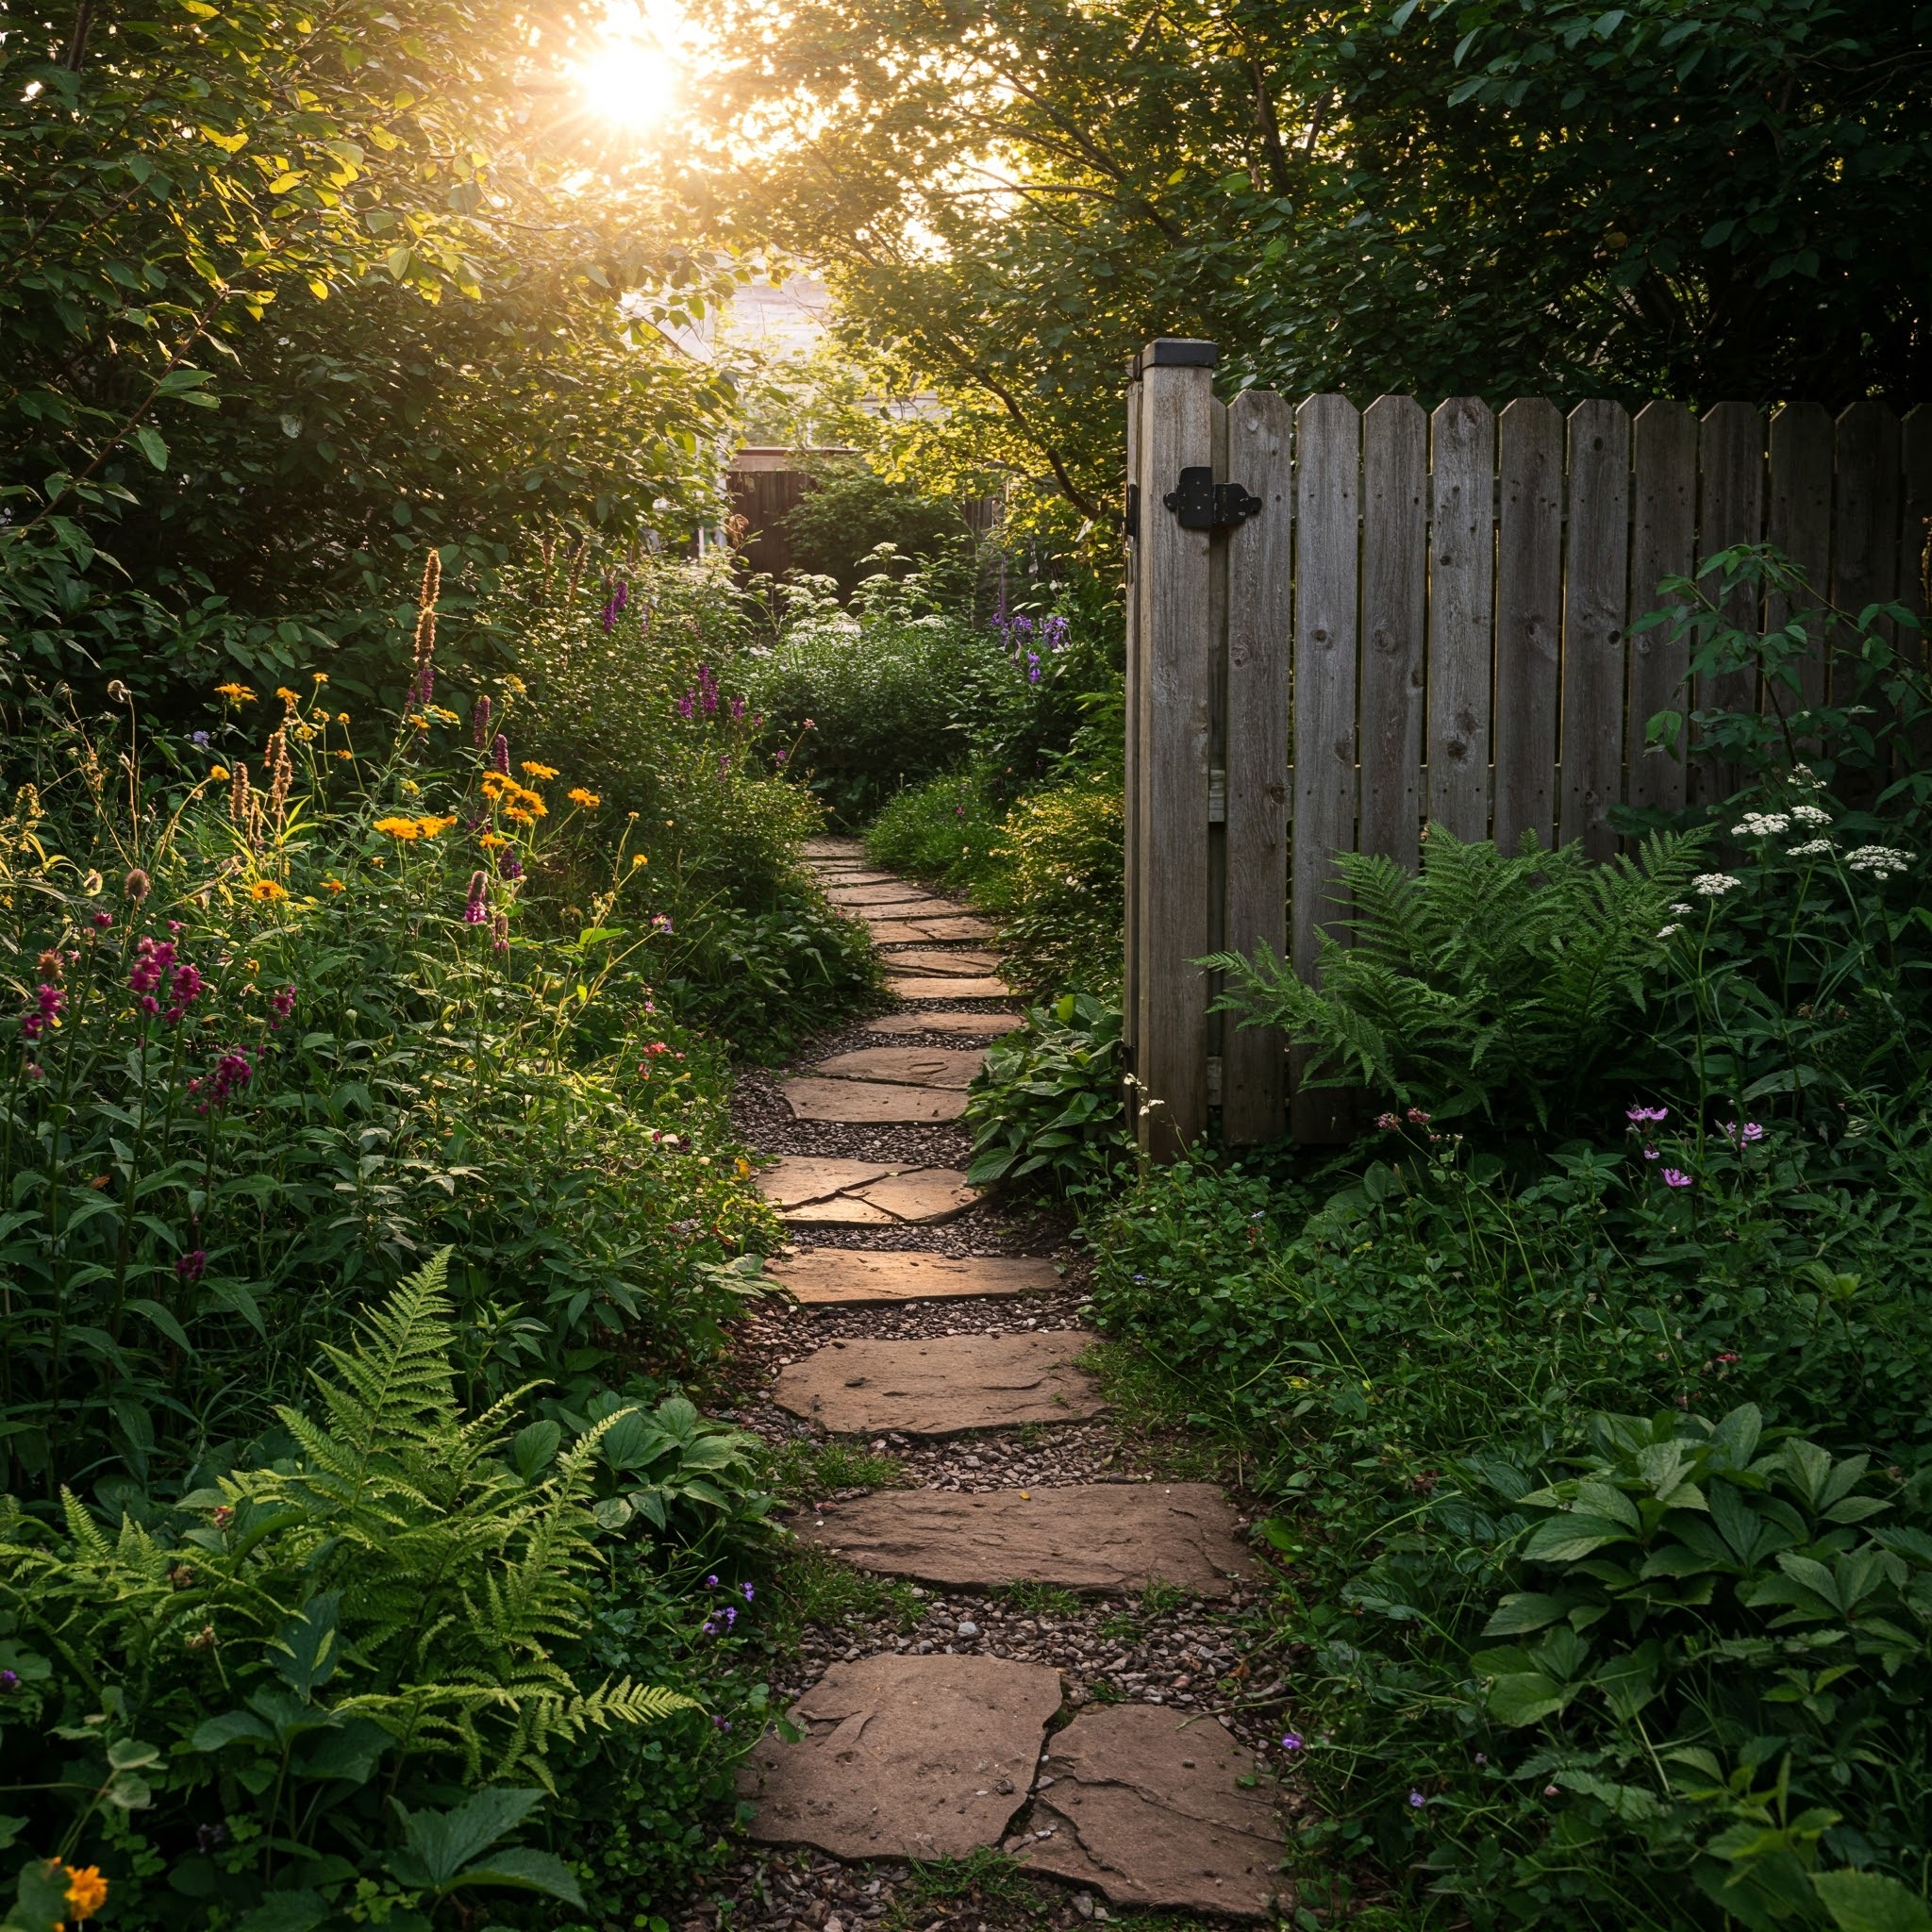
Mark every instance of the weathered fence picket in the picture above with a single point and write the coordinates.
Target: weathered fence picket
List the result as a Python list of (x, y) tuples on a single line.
[(1398, 619)]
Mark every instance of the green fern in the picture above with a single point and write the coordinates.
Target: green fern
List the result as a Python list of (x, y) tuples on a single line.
[(1489, 983), (455, 1582)]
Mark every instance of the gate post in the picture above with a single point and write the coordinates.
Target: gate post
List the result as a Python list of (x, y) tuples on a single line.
[(1170, 664)]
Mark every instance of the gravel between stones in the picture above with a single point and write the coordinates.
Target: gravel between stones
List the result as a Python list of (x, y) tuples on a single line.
[(1184, 1654)]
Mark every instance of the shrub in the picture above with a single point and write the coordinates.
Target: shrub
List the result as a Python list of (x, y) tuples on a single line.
[(314, 1030), (325, 1647), (837, 526), (1048, 1105), (1057, 889), (942, 830)]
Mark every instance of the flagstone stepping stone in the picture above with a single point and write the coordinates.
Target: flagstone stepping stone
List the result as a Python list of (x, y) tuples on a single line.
[(949, 988), (978, 1024), (921, 1197), (904, 1757), (891, 892), (895, 932), (1098, 1537), (859, 1276), (961, 960), (801, 1178), (828, 846), (941, 1385), (917, 1066), (859, 875), (1150, 1810), (958, 926), (899, 911), (876, 1101)]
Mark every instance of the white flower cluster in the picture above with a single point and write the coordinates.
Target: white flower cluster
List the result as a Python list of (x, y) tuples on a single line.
[(1811, 848), (1803, 774), (1713, 885), (1881, 862), (1810, 815), (1668, 930), (1683, 911), (1760, 825)]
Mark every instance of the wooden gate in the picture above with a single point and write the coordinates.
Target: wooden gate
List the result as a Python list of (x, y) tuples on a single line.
[(1344, 625)]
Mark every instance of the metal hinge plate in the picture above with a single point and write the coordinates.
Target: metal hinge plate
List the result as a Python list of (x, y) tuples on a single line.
[(1199, 503)]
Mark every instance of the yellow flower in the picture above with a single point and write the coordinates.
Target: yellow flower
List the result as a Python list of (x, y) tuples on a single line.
[(638, 858), (333, 886), (410, 788), (433, 827), (515, 685), (320, 676), (444, 717), (742, 1167), (87, 1891), (305, 732), (341, 717), (266, 892), (421, 723), (287, 697), (344, 754), (577, 795), (219, 775), (401, 828), (491, 841), (537, 771), (235, 693), (518, 816)]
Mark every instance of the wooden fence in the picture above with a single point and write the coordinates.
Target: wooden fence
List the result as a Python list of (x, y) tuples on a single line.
[(1344, 625)]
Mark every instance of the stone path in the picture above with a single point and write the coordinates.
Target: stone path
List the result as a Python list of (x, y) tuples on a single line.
[(931, 1330)]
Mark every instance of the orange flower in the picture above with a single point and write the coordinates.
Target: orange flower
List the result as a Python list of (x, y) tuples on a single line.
[(399, 827), (87, 1891), (266, 892), (589, 800), (235, 693), (333, 886), (492, 841), (537, 771)]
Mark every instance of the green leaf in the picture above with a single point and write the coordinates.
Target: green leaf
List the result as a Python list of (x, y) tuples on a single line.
[(307, 1645), (1869, 1901), (528, 1871), (438, 1845), (153, 445), (286, 1911), (1524, 1611), (231, 1728), (1577, 1533)]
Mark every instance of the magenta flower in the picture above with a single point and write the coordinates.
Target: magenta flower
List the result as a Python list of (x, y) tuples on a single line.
[(474, 912), (499, 753), (104, 920), (685, 705), (191, 1264), (1675, 1177), (1743, 1137), (1388, 1121), (1293, 1742), (281, 1004), (479, 722), (1637, 1116)]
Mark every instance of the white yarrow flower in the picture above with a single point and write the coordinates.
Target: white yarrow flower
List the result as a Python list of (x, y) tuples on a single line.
[(1810, 815), (1881, 862), (1668, 930), (1683, 911), (1811, 848), (1714, 885), (1760, 825)]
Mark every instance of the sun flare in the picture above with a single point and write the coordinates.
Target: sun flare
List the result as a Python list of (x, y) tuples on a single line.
[(629, 78)]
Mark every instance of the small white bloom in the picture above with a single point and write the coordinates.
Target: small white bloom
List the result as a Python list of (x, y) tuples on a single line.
[(1683, 911), (1668, 930), (1811, 848), (1760, 825), (1810, 815), (1714, 885), (1881, 862)]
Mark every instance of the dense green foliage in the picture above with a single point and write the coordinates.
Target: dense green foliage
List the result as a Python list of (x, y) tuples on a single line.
[(838, 526), (1595, 1431), (281, 308), (1046, 1110), (1432, 197)]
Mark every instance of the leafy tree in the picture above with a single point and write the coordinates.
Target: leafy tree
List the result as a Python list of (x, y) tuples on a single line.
[(283, 298), (1698, 197)]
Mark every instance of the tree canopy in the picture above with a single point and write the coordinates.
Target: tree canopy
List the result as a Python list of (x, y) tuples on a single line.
[(1705, 198)]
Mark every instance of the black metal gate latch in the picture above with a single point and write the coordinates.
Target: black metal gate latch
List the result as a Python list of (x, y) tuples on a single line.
[(1202, 504)]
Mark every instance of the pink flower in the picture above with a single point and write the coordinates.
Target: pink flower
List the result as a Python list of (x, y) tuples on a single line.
[(1388, 1121), (191, 1264), (1744, 1136), (1417, 1118), (1675, 1177), (281, 1004), (499, 753), (1638, 1116), (479, 722)]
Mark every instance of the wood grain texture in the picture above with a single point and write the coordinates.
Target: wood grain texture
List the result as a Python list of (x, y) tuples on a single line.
[(1663, 543), (1915, 522), (1254, 1063), (1595, 589), (1797, 518), (1865, 552), (1529, 617), (1463, 470), (1730, 510), (1327, 437), (1177, 653), (1396, 565), (1130, 963)]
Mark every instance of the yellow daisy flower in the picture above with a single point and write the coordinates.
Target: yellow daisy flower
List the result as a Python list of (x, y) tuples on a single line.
[(537, 771), (401, 828), (589, 800), (266, 892)]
